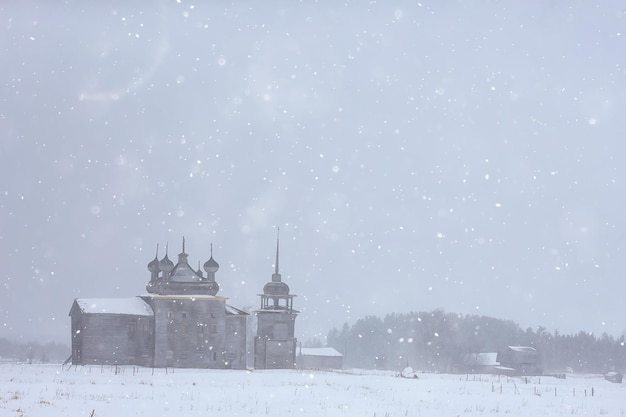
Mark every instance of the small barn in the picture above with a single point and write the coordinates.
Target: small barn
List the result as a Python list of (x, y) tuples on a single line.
[(522, 360), (319, 358)]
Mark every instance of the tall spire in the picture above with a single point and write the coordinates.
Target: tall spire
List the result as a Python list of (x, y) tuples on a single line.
[(182, 257), (277, 247), (276, 275)]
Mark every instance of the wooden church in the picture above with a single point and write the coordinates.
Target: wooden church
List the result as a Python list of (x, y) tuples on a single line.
[(182, 322)]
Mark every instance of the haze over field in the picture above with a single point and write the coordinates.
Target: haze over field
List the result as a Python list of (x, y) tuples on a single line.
[(415, 156)]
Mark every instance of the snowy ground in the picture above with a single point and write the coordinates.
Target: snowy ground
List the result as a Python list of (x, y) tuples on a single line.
[(52, 390)]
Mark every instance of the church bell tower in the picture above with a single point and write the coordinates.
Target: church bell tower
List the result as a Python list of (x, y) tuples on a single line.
[(275, 344)]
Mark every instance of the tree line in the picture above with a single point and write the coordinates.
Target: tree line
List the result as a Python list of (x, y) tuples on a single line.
[(32, 352), (441, 342)]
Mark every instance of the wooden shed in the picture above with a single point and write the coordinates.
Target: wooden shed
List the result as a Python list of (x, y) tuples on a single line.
[(522, 360)]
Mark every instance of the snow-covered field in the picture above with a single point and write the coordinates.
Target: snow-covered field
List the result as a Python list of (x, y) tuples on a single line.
[(52, 390)]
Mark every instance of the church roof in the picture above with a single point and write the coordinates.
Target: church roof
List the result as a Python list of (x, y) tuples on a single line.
[(192, 297), (129, 306), (235, 311), (182, 272)]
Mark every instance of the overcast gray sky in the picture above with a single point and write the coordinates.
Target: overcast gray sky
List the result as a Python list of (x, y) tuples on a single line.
[(460, 155)]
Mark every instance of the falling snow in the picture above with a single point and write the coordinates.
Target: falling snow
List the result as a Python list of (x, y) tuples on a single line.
[(415, 156)]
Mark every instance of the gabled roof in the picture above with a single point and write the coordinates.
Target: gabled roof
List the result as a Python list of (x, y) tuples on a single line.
[(522, 348), (325, 351), (230, 310), (129, 306)]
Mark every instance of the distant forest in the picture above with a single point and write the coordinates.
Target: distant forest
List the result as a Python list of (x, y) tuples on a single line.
[(32, 352), (440, 342)]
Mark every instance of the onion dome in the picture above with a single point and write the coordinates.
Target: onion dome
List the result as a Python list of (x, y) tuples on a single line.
[(165, 264), (211, 266), (153, 266)]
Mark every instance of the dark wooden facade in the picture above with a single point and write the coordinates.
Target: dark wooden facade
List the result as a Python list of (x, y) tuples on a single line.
[(111, 331), (236, 325), (275, 344), (191, 332)]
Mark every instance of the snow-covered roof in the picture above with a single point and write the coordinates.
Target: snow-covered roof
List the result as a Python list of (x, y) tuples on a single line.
[(522, 348), (131, 306), (185, 297), (325, 351), (503, 368), (235, 311)]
